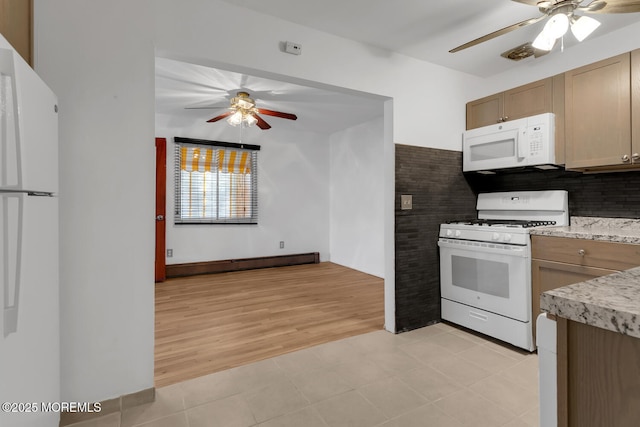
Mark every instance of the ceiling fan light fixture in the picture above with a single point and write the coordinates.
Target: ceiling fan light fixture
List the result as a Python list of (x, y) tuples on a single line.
[(583, 26), (556, 26), (544, 42), (235, 119), (245, 103), (250, 119)]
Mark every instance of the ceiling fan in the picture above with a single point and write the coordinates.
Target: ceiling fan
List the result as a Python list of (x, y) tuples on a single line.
[(561, 18), (243, 111)]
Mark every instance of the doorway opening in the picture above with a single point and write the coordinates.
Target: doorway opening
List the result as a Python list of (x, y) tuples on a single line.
[(325, 181)]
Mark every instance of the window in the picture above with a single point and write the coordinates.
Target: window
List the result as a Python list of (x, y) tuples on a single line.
[(215, 182)]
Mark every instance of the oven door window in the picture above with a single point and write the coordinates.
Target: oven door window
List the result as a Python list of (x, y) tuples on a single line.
[(483, 276), (495, 278)]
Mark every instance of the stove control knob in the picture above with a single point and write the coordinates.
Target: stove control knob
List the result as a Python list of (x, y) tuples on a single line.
[(495, 236), (507, 237), (449, 233), (458, 233)]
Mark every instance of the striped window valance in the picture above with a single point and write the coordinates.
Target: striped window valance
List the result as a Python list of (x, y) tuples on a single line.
[(227, 160), (215, 182)]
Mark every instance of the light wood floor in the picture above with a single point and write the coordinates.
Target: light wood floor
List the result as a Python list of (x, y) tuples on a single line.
[(209, 323)]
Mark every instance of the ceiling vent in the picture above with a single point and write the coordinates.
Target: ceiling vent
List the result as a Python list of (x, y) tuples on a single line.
[(517, 53)]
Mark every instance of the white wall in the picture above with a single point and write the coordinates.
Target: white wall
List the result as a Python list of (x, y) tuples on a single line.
[(357, 197), (293, 198), (99, 59)]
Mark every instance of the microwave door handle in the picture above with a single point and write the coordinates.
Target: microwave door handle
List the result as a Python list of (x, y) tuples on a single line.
[(521, 144)]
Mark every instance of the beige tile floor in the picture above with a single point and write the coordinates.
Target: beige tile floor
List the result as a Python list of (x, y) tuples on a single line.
[(439, 376)]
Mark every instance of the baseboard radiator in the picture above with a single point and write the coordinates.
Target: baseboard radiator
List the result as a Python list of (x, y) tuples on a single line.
[(207, 267)]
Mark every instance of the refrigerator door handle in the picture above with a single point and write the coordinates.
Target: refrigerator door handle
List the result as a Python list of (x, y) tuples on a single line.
[(12, 224), (10, 129)]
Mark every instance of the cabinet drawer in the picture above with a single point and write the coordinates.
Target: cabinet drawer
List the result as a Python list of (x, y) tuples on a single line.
[(592, 253)]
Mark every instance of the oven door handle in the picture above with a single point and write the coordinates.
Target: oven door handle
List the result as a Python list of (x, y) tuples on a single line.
[(487, 248)]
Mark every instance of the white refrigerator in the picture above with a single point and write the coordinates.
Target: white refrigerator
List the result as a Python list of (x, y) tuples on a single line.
[(29, 283)]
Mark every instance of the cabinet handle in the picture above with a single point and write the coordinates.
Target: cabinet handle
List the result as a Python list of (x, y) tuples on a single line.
[(581, 252), (500, 120), (625, 158), (505, 118), (635, 156)]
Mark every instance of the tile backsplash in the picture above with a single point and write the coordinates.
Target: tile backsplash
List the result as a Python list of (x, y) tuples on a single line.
[(615, 195)]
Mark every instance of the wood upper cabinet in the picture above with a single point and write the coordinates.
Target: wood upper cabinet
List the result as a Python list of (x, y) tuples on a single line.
[(598, 115), (560, 261), (15, 25), (523, 101)]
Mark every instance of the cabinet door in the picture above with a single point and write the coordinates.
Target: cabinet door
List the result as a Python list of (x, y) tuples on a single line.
[(15, 25), (598, 377), (485, 111), (598, 114), (548, 275), (529, 100)]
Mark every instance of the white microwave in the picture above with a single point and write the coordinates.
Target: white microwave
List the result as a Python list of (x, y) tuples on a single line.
[(517, 143)]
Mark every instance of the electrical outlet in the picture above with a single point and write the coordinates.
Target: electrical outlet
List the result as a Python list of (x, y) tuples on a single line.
[(406, 201), (169, 253), (281, 244)]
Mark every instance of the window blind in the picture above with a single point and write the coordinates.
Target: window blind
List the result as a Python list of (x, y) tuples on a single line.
[(215, 182)]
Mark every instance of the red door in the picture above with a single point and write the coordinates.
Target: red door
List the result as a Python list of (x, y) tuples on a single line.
[(161, 203)]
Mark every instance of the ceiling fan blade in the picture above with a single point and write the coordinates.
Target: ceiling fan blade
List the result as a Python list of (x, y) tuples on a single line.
[(614, 6), (277, 114), (593, 7), (210, 107), (220, 117), (500, 32), (261, 123), (528, 2)]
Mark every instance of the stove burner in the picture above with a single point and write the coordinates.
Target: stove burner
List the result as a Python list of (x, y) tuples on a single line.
[(503, 223)]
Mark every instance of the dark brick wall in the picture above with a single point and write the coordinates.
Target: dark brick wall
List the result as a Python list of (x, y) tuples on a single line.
[(440, 193), (614, 195)]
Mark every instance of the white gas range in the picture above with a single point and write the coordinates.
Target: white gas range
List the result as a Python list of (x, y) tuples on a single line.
[(485, 263)]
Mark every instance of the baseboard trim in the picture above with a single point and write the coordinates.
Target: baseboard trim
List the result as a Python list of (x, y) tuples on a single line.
[(119, 404), (224, 266)]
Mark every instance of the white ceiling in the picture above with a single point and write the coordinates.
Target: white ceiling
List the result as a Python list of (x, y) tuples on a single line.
[(183, 89), (423, 29), (428, 29)]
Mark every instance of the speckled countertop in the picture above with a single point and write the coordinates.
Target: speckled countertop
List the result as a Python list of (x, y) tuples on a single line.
[(619, 230), (610, 302)]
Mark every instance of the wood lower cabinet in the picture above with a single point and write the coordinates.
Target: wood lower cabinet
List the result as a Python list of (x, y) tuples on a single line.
[(598, 107), (598, 377), (548, 275), (561, 261)]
